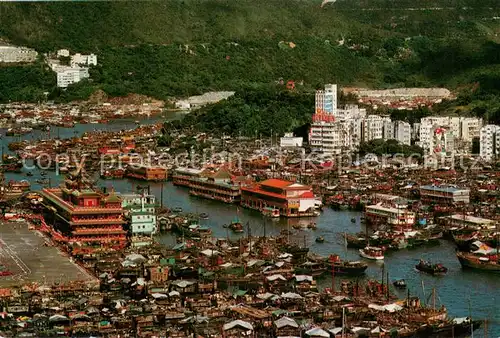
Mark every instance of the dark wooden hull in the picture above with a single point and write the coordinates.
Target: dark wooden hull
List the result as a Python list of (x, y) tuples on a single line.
[(450, 330), (349, 270), (431, 270), (473, 264)]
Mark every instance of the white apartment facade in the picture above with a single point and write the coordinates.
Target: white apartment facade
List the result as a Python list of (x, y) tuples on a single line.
[(373, 127), (70, 75), (438, 131), (82, 59), (402, 132), (329, 137), (289, 141), (489, 146), (141, 212), (14, 54), (387, 128)]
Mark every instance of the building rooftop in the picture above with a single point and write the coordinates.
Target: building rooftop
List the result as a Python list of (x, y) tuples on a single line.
[(472, 219), (443, 188), (188, 171), (276, 183), (388, 209)]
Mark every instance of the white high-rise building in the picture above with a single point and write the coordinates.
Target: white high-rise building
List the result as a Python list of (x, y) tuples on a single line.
[(330, 137), (489, 146), (334, 133), (326, 100), (463, 129), (387, 128), (350, 112), (402, 132), (373, 128), (470, 128), (415, 131)]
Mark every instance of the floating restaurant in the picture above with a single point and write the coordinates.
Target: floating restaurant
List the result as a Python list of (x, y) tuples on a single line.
[(290, 198), (184, 176), (444, 194), (86, 220), (220, 185), (390, 215), (468, 221), (147, 173)]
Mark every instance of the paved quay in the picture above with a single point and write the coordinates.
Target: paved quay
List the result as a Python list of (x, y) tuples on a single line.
[(26, 254)]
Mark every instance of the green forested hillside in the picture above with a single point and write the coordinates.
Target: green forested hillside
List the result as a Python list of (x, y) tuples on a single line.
[(173, 48)]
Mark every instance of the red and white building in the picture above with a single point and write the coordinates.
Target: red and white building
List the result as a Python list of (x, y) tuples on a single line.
[(290, 198)]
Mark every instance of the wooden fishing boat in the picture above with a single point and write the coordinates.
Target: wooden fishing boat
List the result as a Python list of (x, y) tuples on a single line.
[(348, 268), (372, 252), (433, 269), (473, 261)]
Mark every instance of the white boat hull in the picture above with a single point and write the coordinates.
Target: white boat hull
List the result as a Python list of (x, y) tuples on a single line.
[(374, 258)]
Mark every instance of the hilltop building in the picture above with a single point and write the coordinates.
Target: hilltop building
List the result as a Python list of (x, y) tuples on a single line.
[(69, 75), (83, 60), (14, 54)]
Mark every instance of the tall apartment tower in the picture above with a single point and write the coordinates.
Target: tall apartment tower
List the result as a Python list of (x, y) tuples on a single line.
[(489, 147), (326, 100)]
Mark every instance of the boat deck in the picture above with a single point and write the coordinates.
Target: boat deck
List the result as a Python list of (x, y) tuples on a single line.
[(23, 252)]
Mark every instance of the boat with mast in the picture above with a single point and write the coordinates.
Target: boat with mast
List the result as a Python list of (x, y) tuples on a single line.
[(485, 258)]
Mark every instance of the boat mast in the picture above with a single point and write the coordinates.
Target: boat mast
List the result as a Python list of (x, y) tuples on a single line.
[(423, 288), (471, 322), (333, 279), (343, 322), (434, 298)]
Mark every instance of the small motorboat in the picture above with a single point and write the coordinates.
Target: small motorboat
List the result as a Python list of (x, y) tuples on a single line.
[(320, 239), (203, 215), (236, 227), (271, 212), (353, 220), (177, 210), (433, 269), (372, 252), (43, 173), (400, 283)]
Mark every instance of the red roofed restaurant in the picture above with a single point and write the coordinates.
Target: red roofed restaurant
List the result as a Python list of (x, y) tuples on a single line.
[(290, 198)]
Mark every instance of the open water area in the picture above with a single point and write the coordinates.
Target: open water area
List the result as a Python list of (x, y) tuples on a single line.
[(463, 292)]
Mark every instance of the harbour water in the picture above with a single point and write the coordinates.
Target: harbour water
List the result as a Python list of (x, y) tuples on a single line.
[(463, 292)]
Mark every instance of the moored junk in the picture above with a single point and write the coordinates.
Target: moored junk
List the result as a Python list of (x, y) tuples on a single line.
[(214, 286)]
